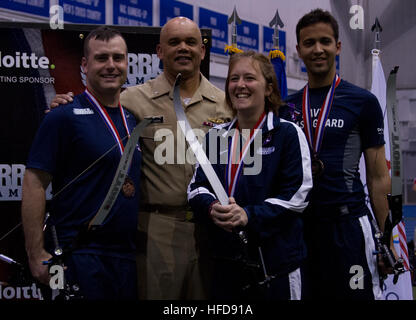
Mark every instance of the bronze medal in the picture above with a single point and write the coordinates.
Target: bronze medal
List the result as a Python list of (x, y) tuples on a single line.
[(128, 188), (317, 167)]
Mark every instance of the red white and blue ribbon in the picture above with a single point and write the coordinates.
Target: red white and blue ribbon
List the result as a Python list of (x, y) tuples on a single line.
[(107, 120), (404, 254), (235, 157), (315, 138)]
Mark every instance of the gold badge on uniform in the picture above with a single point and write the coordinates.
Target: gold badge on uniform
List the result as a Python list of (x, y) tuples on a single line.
[(211, 122)]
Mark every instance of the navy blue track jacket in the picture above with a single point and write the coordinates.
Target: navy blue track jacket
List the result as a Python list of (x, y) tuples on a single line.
[(273, 199)]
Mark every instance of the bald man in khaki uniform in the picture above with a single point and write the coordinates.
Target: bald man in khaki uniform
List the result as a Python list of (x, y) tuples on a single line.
[(168, 255), (169, 242)]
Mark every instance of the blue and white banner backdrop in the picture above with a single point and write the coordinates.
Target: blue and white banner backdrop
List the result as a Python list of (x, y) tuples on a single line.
[(40, 8), (83, 12), (133, 12), (248, 36), (217, 22), (170, 9)]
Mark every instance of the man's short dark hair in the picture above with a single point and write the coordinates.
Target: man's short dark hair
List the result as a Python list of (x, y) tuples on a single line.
[(316, 16), (102, 33)]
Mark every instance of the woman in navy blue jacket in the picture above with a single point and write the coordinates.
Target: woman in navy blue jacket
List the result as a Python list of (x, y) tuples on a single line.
[(263, 162)]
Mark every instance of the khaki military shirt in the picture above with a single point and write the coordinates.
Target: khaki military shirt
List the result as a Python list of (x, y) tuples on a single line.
[(168, 163)]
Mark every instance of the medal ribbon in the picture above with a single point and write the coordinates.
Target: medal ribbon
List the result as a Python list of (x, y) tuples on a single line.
[(235, 165), (107, 120), (315, 140)]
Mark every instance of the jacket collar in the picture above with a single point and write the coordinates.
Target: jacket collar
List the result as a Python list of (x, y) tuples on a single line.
[(272, 122), (205, 90)]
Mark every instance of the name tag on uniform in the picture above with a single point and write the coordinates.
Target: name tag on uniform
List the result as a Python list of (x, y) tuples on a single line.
[(83, 111), (265, 151)]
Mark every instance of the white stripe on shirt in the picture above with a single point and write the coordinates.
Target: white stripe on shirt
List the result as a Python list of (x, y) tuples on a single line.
[(297, 203)]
